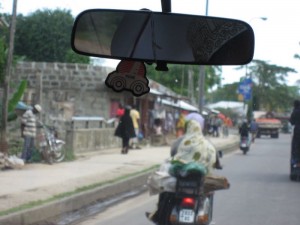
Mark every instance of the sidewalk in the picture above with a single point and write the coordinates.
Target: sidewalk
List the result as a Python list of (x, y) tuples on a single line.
[(40, 182)]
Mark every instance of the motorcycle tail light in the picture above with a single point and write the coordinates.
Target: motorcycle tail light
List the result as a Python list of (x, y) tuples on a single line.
[(188, 202)]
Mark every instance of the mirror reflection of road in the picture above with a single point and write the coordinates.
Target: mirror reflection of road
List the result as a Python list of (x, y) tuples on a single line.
[(260, 194)]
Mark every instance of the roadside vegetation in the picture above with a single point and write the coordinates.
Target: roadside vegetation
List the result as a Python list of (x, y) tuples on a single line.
[(44, 36)]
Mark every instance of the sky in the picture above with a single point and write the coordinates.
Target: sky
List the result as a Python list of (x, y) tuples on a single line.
[(277, 39)]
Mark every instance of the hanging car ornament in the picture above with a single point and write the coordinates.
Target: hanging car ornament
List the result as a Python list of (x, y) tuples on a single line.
[(130, 76)]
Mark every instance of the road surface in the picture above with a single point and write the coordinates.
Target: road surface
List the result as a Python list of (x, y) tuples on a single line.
[(260, 193)]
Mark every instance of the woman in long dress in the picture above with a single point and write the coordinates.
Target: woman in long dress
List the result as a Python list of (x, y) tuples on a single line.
[(125, 130)]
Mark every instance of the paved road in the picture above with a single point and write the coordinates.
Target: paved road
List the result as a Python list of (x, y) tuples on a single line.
[(260, 194), (106, 174)]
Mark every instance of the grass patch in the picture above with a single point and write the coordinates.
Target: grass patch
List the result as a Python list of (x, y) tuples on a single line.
[(33, 204), (69, 155)]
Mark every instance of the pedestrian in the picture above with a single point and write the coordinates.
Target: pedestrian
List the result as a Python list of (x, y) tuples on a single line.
[(215, 123), (226, 126), (180, 125), (120, 111), (135, 116), (295, 121), (253, 129), (28, 131), (219, 125), (125, 130)]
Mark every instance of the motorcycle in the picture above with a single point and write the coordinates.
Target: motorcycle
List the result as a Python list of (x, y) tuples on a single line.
[(189, 204), (50, 147), (244, 144), (294, 163)]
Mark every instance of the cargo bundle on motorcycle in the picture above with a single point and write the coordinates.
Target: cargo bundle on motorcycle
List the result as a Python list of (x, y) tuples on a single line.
[(185, 193)]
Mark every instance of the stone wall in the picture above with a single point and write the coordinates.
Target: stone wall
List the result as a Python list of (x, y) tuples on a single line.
[(67, 90)]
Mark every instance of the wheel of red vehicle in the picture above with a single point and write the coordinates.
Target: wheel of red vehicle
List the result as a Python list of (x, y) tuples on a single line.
[(139, 88), (118, 83)]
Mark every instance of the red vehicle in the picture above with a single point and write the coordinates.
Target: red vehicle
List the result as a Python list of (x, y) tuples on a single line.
[(129, 75)]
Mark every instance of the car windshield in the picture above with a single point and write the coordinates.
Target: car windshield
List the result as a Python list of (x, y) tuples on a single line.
[(114, 112)]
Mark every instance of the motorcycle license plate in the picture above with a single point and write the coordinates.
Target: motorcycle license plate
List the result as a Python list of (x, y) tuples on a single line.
[(244, 145), (186, 216)]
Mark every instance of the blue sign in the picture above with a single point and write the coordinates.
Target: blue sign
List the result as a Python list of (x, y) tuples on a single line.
[(245, 88)]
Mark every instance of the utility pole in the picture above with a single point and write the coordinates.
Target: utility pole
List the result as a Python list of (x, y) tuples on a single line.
[(3, 141), (191, 86), (250, 103), (202, 77)]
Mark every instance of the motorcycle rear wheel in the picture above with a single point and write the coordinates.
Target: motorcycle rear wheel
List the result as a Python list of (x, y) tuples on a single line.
[(46, 154), (58, 154)]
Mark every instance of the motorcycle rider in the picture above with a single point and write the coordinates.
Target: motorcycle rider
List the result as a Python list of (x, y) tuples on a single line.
[(244, 129), (244, 132), (295, 121), (191, 147)]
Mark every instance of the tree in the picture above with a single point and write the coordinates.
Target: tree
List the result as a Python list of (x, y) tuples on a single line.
[(270, 91), (4, 39), (3, 130), (226, 93), (297, 56), (13, 101), (44, 36), (2, 60), (177, 78)]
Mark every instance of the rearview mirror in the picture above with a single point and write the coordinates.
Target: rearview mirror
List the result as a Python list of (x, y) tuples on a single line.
[(162, 37)]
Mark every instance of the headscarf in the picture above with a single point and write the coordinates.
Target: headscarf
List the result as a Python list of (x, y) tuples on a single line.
[(193, 147)]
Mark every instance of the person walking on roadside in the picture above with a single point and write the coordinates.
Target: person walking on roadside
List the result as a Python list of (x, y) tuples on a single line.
[(125, 130), (215, 123), (253, 129), (28, 131), (226, 126), (135, 116), (120, 111), (295, 121), (180, 125)]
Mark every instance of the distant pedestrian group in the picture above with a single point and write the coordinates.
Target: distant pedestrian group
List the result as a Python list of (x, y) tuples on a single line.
[(215, 125)]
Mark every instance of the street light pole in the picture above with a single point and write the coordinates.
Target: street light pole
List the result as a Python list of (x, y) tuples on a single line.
[(202, 77), (250, 76)]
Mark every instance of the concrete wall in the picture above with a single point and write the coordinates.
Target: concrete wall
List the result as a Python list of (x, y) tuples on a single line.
[(66, 90), (95, 139)]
